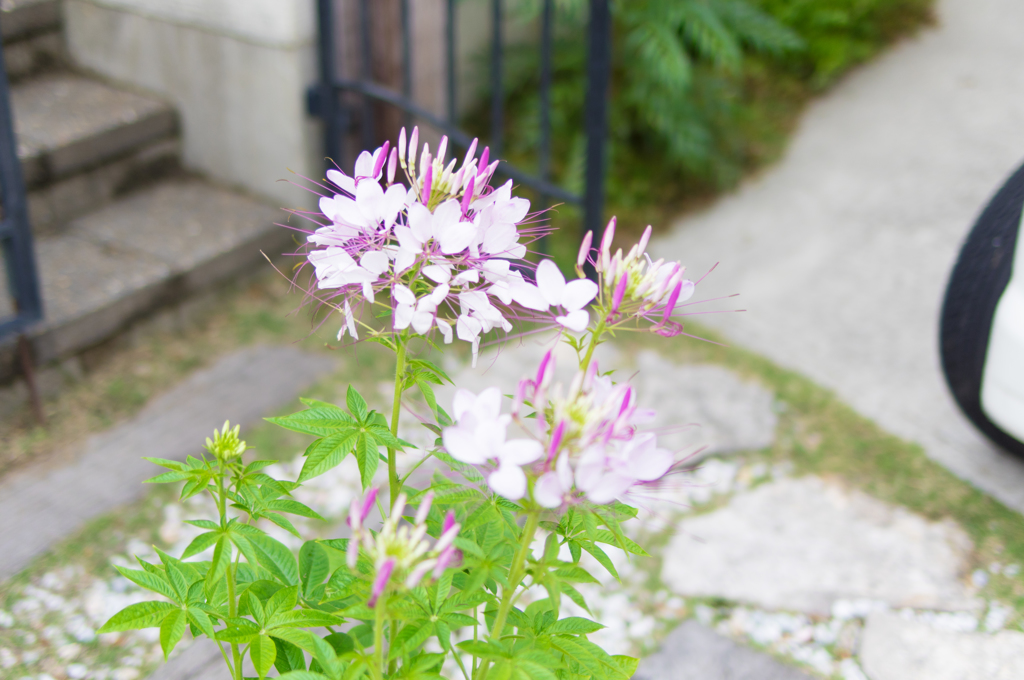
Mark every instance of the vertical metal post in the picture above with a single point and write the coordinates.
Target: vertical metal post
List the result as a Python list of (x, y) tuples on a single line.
[(497, 94), (544, 163), (366, 44), (328, 98), (596, 121), (15, 232), (450, 59), (406, 60)]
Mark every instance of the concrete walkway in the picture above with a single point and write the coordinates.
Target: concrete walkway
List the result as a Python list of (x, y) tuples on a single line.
[(842, 251)]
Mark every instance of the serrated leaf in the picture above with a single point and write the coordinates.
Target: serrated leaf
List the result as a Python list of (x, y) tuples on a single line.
[(356, 404), (263, 652), (289, 657), (325, 454), (314, 565), (238, 630), (367, 456), (410, 637), (172, 628), (137, 616), (150, 581), (574, 625), (200, 543), (276, 558), (293, 507), (167, 477), (201, 620), (605, 536)]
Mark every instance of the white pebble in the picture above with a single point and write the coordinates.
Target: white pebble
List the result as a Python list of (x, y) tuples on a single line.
[(70, 651), (76, 671), (7, 658), (979, 578), (6, 620), (998, 615), (849, 669), (125, 674)]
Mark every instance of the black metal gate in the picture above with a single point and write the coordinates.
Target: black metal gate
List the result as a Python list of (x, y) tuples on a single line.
[(325, 97), (15, 233)]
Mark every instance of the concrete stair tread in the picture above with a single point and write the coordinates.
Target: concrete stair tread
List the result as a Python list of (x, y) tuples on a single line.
[(19, 18), (151, 248), (66, 123)]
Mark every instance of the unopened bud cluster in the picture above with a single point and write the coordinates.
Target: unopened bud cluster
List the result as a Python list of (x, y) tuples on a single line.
[(225, 445)]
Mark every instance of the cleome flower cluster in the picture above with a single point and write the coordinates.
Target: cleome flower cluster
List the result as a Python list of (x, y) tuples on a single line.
[(585, 439), (400, 554)]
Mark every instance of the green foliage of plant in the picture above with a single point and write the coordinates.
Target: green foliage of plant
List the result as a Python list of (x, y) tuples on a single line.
[(702, 90)]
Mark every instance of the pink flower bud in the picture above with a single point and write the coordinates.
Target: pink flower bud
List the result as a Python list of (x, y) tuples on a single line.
[(401, 144), (588, 382), (485, 157), (443, 149), (584, 249), (520, 396), (470, 153), (449, 521), (427, 178), (468, 197), (424, 509), (446, 557), (414, 141), (642, 246), (371, 498), (606, 243), (381, 582), (378, 163), (352, 552), (671, 304), (546, 370), (620, 292), (392, 164), (418, 572), (627, 398), (556, 440)]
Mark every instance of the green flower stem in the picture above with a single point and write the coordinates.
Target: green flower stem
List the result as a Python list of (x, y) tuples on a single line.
[(595, 339), (516, 574), (232, 605), (378, 639), (394, 485)]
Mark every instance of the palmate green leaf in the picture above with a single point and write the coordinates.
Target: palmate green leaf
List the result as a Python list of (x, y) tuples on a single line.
[(600, 556), (356, 404), (263, 652), (485, 649), (138, 616), (620, 541), (367, 455), (201, 543), (320, 419), (325, 454), (150, 581), (574, 625), (409, 638), (288, 657), (314, 566), (172, 628), (201, 620), (302, 675), (305, 618), (283, 522), (276, 558), (238, 630), (293, 507)]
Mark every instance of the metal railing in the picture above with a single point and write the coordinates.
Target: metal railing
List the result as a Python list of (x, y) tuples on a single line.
[(15, 232), (325, 98)]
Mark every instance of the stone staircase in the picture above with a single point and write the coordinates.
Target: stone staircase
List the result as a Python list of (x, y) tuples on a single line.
[(121, 229)]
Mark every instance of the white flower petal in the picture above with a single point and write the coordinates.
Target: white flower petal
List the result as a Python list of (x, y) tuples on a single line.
[(403, 316), (548, 490), (529, 296), (446, 330), (375, 262), (437, 273), (467, 328), (455, 237), (578, 294), (461, 445), (342, 180), (521, 451), (550, 282), (575, 321), (462, 402), (508, 481), (403, 295)]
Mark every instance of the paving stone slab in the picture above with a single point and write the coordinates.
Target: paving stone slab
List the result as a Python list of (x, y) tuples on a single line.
[(19, 18), (41, 506), (66, 123), (695, 652), (895, 647), (841, 252), (803, 544)]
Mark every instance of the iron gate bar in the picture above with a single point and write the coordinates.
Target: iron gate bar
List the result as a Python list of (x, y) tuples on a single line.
[(596, 119), (544, 162), (450, 60), (407, 59), (497, 92), (15, 231), (367, 71)]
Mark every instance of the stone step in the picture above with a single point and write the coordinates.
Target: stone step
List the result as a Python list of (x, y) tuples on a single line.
[(21, 19), (150, 249), (82, 143)]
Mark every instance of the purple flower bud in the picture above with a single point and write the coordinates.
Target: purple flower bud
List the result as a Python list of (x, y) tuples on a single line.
[(671, 304), (381, 582), (520, 396), (443, 560), (427, 179), (424, 509), (378, 163), (584, 249), (468, 197), (418, 572), (644, 240), (485, 157), (556, 440), (627, 398), (620, 291), (401, 143), (392, 164), (449, 521), (588, 381), (546, 369)]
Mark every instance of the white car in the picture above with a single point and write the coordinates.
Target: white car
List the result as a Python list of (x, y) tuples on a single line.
[(982, 324)]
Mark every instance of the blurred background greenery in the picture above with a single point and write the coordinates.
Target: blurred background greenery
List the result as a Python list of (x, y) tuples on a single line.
[(703, 92)]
